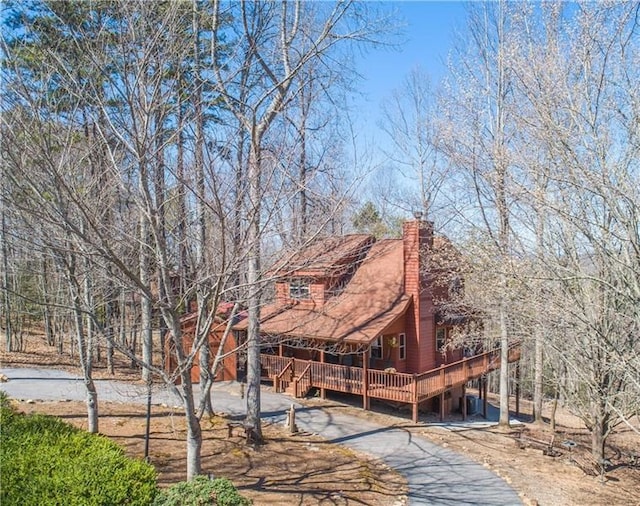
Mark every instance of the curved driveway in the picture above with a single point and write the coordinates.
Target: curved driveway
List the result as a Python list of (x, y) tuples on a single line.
[(436, 476)]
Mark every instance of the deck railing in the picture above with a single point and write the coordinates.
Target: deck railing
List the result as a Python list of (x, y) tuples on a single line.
[(303, 381), (388, 385), (273, 366), (392, 386), (282, 379), (341, 378)]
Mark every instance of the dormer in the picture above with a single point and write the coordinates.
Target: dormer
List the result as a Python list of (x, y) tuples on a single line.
[(317, 273)]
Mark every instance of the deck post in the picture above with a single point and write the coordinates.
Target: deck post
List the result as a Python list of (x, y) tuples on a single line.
[(365, 379), (464, 402), (414, 394), (517, 389), (484, 396), (323, 391), (442, 386)]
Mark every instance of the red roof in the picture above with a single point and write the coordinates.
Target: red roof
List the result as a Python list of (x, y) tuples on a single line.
[(325, 256), (372, 300)]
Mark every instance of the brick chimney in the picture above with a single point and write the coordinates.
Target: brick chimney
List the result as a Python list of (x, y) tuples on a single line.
[(417, 238)]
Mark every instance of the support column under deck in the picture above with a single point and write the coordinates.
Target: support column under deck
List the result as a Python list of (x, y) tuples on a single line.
[(517, 389), (463, 408), (484, 396), (323, 391), (414, 405), (365, 380)]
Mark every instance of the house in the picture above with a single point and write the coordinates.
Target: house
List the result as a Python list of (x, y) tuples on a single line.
[(228, 369), (360, 316)]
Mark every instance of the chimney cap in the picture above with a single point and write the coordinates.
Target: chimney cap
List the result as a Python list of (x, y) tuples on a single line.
[(417, 215)]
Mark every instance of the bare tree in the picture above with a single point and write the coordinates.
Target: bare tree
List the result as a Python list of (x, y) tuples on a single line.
[(277, 44), (579, 109), (410, 120), (478, 144), (137, 59)]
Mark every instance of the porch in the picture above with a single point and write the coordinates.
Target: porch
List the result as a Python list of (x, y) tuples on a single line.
[(298, 376)]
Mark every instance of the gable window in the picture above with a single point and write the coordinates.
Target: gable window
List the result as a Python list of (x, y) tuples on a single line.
[(376, 348), (402, 346), (440, 338), (299, 289)]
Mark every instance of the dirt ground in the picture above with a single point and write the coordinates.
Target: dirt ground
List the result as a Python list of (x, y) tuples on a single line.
[(289, 469), (569, 477), (298, 469), (302, 469)]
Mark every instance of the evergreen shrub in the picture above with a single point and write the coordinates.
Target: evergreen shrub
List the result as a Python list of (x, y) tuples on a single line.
[(202, 491), (44, 461)]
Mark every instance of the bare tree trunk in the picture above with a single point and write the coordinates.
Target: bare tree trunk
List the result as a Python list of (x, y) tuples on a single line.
[(504, 369), (554, 408), (598, 441), (201, 261), (253, 277), (5, 282), (145, 301), (538, 377), (84, 353), (46, 310), (500, 170), (109, 327), (194, 432)]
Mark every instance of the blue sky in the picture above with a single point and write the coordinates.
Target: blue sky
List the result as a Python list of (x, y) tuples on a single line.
[(428, 34)]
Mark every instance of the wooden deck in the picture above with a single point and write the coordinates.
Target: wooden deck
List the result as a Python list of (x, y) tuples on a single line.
[(299, 376)]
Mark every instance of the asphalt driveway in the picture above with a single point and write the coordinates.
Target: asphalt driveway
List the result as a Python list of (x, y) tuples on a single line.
[(436, 476)]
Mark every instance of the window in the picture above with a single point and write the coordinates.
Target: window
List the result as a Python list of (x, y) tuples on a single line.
[(455, 286), (440, 338), (376, 348), (299, 289), (402, 346)]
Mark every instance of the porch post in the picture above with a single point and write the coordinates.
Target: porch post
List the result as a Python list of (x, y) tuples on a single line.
[(414, 410), (484, 396), (365, 379), (464, 402), (323, 392), (517, 389), (442, 383), (280, 350)]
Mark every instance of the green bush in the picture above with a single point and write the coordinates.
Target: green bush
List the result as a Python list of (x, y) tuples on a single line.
[(46, 461), (201, 491)]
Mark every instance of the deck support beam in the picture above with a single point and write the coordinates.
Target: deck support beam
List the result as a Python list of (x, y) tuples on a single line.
[(517, 389), (365, 380), (463, 408), (484, 396), (323, 391), (442, 406), (414, 404)]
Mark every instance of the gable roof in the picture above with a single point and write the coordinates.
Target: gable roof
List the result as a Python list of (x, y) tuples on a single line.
[(373, 299), (324, 256)]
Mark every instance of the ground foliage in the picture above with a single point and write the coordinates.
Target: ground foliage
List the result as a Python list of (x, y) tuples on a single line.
[(202, 491), (46, 461)]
